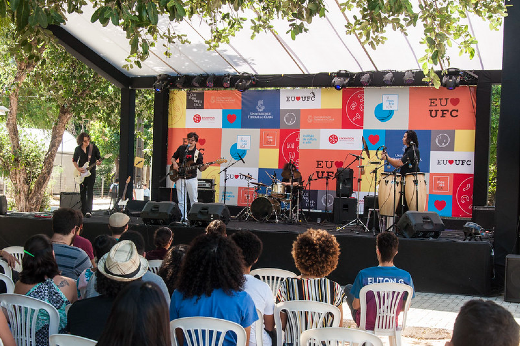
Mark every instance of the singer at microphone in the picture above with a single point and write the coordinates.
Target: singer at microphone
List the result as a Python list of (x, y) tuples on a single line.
[(409, 163)]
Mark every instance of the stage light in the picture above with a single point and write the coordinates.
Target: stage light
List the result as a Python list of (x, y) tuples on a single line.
[(226, 81), (340, 80), (197, 81), (366, 79), (452, 79), (409, 77), (245, 82), (179, 83), (210, 81), (161, 83), (388, 78)]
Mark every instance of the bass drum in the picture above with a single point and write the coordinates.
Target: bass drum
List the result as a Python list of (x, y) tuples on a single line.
[(409, 191), (264, 208), (388, 194)]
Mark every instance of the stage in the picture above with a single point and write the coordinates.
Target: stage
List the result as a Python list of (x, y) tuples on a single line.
[(444, 265)]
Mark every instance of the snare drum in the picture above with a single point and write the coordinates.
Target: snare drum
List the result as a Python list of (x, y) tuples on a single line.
[(264, 208), (278, 190), (409, 191), (387, 205)]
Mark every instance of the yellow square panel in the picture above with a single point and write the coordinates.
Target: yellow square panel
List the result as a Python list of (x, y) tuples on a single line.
[(268, 158)]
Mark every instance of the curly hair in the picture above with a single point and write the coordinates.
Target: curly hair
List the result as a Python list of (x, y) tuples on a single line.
[(216, 227), (411, 136), (108, 287), (387, 243), (212, 262), (43, 265), (162, 237), (171, 266), (316, 252), (102, 244), (81, 137), (250, 245)]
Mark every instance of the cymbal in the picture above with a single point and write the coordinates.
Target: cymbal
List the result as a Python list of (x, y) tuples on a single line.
[(259, 184), (247, 176), (287, 174)]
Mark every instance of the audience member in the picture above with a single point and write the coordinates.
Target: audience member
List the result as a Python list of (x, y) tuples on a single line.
[(139, 316), (5, 333), (211, 284), (146, 192), (387, 245), (102, 244), (81, 242), (71, 260), (171, 266), (315, 253), (117, 268), (216, 227), (483, 323), (118, 224), (259, 291), (40, 278), (162, 239)]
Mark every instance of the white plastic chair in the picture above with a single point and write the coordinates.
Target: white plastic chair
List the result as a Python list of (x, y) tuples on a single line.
[(303, 315), (337, 336), (7, 269), (17, 252), (388, 297), (206, 331), (272, 277), (22, 313), (9, 284), (70, 340), (259, 328), (154, 265)]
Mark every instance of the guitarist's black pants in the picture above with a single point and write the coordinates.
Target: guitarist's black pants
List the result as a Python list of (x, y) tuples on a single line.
[(86, 191)]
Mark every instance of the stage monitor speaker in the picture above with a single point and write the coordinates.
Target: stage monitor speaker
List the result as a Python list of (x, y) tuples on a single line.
[(344, 182), (3, 205), (369, 204), (512, 284), (201, 214), (418, 224), (344, 210), (134, 207), (160, 213), (70, 200)]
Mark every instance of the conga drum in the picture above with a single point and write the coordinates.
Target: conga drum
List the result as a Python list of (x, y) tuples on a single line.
[(410, 191), (388, 194)]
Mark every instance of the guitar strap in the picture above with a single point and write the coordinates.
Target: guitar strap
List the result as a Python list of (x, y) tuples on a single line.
[(90, 148), (196, 156)]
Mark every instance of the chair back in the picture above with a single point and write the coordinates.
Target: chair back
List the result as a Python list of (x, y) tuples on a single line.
[(22, 313), (154, 265), (303, 315), (7, 269), (337, 336), (206, 331), (17, 252), (272, 277), (9, 284), (259, 328), (70, 340), (389, 303)]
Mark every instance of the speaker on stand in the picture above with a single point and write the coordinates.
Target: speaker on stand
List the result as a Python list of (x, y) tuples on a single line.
[(344, 182)]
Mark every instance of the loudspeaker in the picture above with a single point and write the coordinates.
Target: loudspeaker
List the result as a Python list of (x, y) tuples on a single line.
[(512, 282), (206, 196), (369, 204), (418, 224), (70, 200), (202, 214), (3, 205), (160, 213), (344, 185), (344, 209), (134, 207)]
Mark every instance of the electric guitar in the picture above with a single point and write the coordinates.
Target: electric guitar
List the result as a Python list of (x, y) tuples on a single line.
[(175, 174), (79, 177), (123, 200)]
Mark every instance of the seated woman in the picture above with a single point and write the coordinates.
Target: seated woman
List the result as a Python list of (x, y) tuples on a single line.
[(211, 284), (316, 254), (171, 266), (41, 279), (139, 316), (162, 239)]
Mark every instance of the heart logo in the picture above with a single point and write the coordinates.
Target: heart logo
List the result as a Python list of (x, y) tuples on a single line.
[(297, 98), (202, 141), (454, 101), (373, 139), (231, 118), (236, 176), (439, 205), (450, 162), (338, 164)]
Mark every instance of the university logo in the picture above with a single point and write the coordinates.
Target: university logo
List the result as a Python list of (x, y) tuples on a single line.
[(197, 118)]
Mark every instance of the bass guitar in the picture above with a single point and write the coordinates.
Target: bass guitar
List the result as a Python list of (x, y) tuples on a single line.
[(79, 177), (175, 174)]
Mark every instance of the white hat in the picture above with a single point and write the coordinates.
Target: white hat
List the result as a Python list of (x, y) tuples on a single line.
[(123, 263), (118, 220)]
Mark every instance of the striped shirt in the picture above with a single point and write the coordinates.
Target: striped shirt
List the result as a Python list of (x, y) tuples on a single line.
[(71, 260)]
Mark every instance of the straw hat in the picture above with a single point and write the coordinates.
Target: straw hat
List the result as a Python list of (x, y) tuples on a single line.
[(123, 263)]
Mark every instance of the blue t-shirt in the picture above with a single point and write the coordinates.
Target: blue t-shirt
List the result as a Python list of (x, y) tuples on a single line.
[(238, 308), (376, 275)]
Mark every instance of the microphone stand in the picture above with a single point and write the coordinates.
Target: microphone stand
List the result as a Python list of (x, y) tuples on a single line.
[(224, 197)]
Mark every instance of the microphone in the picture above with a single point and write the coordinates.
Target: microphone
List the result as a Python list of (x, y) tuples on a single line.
[(356, 156), (241, 159)]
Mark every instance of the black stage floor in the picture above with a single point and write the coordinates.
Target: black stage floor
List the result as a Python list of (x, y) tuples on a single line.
[(444, 265)]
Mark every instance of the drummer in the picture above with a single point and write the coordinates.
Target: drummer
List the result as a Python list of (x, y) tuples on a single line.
[(409, 163), (287, 176)]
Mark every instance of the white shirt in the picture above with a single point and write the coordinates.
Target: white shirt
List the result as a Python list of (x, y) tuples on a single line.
[(263, 298)]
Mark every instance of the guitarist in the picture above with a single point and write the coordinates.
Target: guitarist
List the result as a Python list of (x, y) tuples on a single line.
[(86, 152), (187, 154)]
